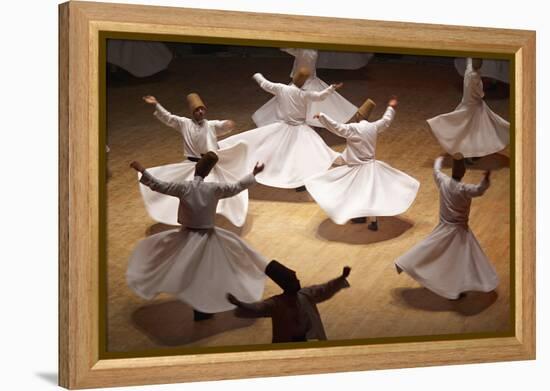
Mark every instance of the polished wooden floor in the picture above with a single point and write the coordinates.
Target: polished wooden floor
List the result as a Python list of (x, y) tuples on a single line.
[(288, 226)]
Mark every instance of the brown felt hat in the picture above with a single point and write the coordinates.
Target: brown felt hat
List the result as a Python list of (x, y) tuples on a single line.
[(194, 101), (366, 109), (477, 63), (206, 163), (459, 168), (280, 274), (458, 156), (301, 76)]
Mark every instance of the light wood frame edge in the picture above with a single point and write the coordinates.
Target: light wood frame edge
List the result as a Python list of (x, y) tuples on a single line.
[(79, 364)]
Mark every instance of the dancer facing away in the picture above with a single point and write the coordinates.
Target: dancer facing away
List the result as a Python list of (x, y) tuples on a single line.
[(335, 105), (450, 260), (198, 263), (199, 136), (294, 314), (472, 129), (291, 150), (362, 186)]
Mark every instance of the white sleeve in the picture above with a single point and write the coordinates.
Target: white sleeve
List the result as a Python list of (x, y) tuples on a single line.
[(469, 66), (438, 175), (226, 190), (221, 127), (477, 190), (386, 120), (174, 189), (316, 96), (166, 117), (342, 130), (266, 85)]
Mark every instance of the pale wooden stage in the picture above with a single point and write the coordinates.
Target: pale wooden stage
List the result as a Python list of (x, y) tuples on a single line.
[(288, 226)]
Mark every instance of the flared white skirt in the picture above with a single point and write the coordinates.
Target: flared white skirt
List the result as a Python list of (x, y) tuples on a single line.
[(473, 130), (495, 69), (198, 267), (335, 106), (370, 189), (291, 153), (230, 168), (140, 58), (450, 261)]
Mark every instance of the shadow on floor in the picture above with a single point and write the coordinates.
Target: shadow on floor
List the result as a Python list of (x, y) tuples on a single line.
[(421, 298), (48, 377), (222, 222), (171, 323), (388, 228), (267, 193), (495, 161)]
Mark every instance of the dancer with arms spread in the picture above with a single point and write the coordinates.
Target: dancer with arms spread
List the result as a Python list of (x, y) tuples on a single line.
[(198, 263), (450, 261)]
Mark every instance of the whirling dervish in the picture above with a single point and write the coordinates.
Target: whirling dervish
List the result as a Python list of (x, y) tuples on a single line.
[(450, 261), (335, 105), (291, 149), (199, 262), (472, 129), (362, 186), (199, 136)]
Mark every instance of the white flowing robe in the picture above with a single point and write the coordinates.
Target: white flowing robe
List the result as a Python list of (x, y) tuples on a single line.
[(199, 263), (495, 69), (342, 60), (363, 186), (472, 128), (291, 150), (335, 105), (450, 260), (198, 138), (140, 58)]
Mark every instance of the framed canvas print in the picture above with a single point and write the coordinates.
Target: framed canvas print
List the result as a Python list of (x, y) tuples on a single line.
[(246, 195)]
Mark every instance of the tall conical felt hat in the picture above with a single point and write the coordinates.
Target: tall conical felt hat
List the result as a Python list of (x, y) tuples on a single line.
[(194, 101), (280, 274), (366, 109), (458, 156), (206, 162), (477, 63), (458, 165), (301, 76)]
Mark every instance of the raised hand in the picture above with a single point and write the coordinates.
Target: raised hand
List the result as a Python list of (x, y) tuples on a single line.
[(346, 271), (259, 167), (137, 166), (150, 99), (393, 102), (232, 299)]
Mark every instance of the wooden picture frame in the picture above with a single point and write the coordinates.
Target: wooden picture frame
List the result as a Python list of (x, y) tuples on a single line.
[(80, 167)]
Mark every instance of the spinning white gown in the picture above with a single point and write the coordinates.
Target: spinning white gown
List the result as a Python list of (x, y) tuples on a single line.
[(450, 260), (342, 60), (199, 263), (495, 69), (335, 105), (290, 149), (198, 139), (364, 186), (472, 129), (140, 58)]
